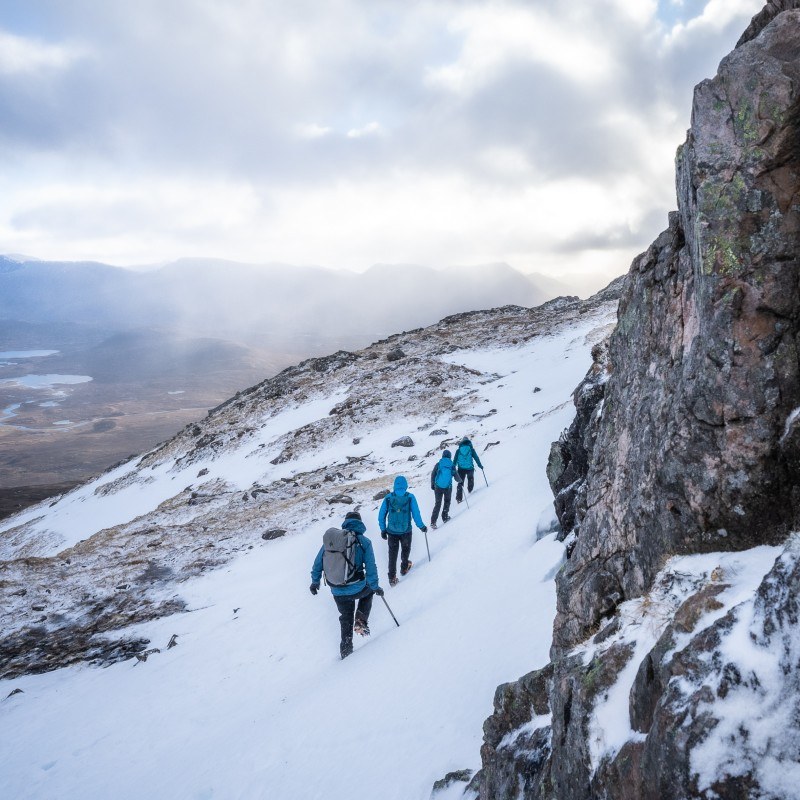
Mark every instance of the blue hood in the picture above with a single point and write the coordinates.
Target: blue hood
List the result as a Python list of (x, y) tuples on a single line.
[(400, 485), (354, 525), (447, 454)]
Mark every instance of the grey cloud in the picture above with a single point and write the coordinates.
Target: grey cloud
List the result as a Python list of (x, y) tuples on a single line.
[(172, 85), (177, 87), (167, 85), (615, 238)]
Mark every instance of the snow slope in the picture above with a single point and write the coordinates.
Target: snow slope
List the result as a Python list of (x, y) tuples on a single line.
[(253, 702)]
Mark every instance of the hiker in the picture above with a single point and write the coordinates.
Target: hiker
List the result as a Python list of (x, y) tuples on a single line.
[(465, 455), (442, 477), (349, 564), (394, 518)]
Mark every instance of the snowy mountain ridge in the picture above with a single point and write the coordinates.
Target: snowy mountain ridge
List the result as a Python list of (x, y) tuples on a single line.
[(210, 538)]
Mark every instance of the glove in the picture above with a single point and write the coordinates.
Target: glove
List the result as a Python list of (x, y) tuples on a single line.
[(424, 528), (384, 535), (314, 588), (379, 592)]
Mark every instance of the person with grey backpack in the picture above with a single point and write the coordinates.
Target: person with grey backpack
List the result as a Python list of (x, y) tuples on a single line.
[(348, 561)]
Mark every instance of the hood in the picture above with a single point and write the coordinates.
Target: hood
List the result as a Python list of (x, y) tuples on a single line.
[(354, 525), (400, 485), (447, 454)]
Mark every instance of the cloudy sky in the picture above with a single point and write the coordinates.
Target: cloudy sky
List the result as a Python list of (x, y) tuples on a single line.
[(348, 132)]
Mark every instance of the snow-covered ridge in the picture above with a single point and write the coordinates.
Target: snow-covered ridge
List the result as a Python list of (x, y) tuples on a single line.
[(272, 456), (256, 660)]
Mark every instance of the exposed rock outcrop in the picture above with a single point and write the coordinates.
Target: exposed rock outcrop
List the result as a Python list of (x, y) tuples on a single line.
[(568, 464), (698, 448), (691, 446), (765, 16)]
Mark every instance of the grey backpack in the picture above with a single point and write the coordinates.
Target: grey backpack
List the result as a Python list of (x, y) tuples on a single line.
[(341, 561)]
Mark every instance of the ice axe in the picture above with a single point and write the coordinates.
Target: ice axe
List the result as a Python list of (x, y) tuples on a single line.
[(390, 611)]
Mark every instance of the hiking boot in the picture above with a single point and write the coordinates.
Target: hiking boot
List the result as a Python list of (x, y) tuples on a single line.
[(360, 627), (393, 581), (404, 570), (433, 525), (346, 648), (445, 519)]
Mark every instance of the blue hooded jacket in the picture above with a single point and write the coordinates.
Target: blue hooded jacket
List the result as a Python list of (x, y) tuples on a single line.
[(465, 455), (444, 473), (364, 555), (393, 525)]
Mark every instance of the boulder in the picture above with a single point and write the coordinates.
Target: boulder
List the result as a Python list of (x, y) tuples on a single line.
[(341, 498)]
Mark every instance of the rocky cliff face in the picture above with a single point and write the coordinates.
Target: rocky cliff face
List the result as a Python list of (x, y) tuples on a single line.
[(691, 446)]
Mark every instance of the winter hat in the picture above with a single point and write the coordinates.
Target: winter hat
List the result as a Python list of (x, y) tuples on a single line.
[(447, 454), (352, 515)]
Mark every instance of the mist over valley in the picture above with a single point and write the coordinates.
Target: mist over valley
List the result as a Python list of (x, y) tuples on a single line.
[(101, 361)]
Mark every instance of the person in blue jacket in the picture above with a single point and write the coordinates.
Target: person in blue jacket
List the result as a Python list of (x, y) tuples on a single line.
[(394, 518), (465, 456), (359, 591), (442, 477)]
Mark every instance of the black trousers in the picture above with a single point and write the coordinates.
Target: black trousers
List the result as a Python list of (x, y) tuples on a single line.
[(441, 495), (348, 612), (467, 475), (397, 542)]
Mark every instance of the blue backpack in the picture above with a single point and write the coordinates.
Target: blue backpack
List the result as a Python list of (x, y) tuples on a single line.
[(444, 473), (464, 456), (398, 518)]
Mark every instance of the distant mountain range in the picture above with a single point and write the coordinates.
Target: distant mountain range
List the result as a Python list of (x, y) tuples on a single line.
[(163, 344), (270, 305)]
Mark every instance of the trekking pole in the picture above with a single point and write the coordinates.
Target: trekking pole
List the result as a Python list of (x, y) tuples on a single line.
[(464, 495), (484, 477), (426, 546), (390, 611)]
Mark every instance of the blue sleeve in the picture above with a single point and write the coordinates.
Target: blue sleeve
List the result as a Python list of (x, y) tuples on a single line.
[(369, 563), (415, 512), (382, 515), (477, 460), (316, 570)]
